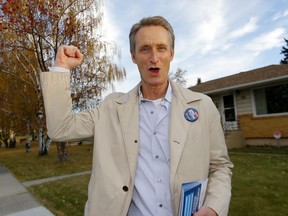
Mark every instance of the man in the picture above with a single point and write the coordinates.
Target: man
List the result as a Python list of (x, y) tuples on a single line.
[(148, 141)]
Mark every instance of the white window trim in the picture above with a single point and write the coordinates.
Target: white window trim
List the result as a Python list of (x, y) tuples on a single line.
[(254, 103)]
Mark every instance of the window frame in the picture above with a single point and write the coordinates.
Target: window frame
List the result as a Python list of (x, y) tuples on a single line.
[(254, 101)]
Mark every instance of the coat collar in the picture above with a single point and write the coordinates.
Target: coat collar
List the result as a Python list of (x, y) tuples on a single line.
[(129, 97), (178, 91), (184, 94)]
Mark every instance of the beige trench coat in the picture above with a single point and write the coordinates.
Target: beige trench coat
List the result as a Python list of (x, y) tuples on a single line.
[(197, 149)]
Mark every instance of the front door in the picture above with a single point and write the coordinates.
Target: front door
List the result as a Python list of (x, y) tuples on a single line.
[(229, 114)]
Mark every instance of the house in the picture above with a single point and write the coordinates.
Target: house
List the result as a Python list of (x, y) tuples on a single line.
[(253, 105)]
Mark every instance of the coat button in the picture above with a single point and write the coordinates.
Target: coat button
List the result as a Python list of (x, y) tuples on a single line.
[(125, 188)]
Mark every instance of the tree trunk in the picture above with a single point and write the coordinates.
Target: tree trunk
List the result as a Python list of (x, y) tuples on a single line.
[(6, 142), (27, 142), (62, 149)]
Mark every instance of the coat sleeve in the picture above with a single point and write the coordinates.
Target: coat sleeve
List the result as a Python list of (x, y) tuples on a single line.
[(219, 186), (62, 123)]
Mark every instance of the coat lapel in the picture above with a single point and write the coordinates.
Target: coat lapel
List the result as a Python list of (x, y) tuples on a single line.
[(128, 112), (179, 126)]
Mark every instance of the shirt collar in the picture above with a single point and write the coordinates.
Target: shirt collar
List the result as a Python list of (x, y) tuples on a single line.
[(167, 97)]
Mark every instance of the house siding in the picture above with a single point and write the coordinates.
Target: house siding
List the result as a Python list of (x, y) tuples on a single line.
[(244, 102), (256, 130), (263, 127)]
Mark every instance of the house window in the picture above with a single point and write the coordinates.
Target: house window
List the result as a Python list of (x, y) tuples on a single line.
[(229, 109), (271, 100)]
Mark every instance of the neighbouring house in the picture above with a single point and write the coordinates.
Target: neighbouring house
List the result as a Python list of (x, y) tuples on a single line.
[(253, 106)]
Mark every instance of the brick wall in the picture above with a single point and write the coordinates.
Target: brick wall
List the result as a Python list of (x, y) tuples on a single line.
[(263, 127)]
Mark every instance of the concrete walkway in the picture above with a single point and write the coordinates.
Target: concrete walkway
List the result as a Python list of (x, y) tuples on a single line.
[(55, 178), (15, 200)]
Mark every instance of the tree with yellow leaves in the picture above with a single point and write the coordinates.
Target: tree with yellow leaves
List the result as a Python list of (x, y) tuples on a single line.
[(32, 31)]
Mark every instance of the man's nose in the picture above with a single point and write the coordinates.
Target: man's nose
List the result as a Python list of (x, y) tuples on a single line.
[(154, 57)]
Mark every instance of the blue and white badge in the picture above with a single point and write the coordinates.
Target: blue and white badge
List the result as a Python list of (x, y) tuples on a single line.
[(191, 115)]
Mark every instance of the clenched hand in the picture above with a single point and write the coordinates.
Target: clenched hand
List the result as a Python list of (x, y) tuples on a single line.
[(68, 57)]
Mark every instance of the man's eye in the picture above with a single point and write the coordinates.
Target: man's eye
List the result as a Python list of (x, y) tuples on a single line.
[(162, 48), (144, 49)]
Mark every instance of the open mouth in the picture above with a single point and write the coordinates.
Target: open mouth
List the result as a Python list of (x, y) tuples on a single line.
[(154, 70)]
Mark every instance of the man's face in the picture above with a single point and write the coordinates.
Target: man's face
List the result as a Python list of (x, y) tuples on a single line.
[(153, 55)]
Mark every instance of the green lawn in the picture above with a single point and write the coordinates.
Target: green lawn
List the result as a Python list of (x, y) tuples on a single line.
[(260, 185), (260, 182), (64, 197), (30, 166)]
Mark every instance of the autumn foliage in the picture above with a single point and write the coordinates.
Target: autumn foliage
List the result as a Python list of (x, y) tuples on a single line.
[(31, 32)]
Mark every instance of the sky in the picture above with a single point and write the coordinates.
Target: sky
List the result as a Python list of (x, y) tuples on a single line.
[(214, 38)]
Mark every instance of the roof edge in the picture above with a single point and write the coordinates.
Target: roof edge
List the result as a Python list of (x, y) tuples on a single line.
[(245, 85)]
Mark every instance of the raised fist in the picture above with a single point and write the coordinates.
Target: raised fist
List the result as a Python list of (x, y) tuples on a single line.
[(68, 57)]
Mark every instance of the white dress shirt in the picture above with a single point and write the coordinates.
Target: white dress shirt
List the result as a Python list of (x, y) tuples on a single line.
[(151, 195)]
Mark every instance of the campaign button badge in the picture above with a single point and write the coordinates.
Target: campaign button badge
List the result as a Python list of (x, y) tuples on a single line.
[(191, 115)]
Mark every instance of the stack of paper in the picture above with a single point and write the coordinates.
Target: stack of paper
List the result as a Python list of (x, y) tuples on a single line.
[(192, 197)]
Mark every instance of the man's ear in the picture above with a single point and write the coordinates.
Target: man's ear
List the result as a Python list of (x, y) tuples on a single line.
[(172, 55), (133, 57)]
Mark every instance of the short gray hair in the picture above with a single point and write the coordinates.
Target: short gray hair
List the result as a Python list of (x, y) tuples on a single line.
[(151, 21)]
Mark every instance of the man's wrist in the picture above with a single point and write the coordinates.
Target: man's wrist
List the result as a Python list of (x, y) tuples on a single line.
[(58, 69)]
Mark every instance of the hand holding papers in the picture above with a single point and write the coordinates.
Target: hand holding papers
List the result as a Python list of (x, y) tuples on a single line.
[(192, 197)]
